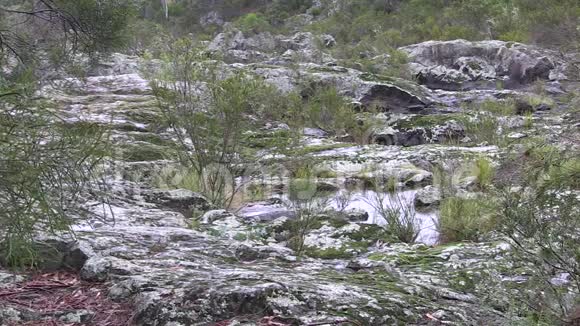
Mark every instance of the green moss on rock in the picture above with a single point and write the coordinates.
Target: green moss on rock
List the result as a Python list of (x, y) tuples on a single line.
[(143, 152)]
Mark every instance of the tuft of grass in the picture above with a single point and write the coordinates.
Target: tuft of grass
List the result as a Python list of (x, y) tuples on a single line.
[(485, 128), (326, 174), (447, 175), (328, 253), (400, 215), (484, 171), (498, 108), (177, 178), (536, 100), (529, 120), (144, 152), (462, 219)]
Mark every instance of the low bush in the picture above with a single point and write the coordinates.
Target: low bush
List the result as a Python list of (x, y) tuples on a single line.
[(326, 109), (462, 219), (253, 23), (400, 215), (497, 108), (484, 173), (540, 217), (484, 128)]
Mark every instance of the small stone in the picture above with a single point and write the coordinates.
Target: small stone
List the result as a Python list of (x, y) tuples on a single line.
[(215, 215), (357, 215), (77, 317), (96, 269), (439, 314), (517, 135), (7, 279)]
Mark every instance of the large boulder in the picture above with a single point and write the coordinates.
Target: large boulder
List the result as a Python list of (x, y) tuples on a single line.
[(390, 98), (461, 64)]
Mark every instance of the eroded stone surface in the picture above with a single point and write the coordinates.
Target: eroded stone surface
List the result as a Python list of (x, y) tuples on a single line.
[(182, 269)]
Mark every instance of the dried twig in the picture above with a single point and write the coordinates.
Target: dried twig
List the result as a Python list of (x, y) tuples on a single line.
[(57, 292)]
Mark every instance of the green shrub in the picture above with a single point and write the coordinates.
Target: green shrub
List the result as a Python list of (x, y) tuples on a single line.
[(541, 220), (484, 173), (46, 169), (328, 110), (143, 152), (214, 126), (253, 22), (519, 36), (462, 219)]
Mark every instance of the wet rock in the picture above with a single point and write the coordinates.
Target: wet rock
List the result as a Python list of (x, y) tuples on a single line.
[(364, 263), (326, 187), (328, 40), (96, 269), (543, 107), (246, 252), (239, 265), (56, 253), (264, 211), (238, 48), (516, 135), (448, 130), (182, 200), (385, 136), (116, 64), (389, 98), (413, 137), (212, 18), (76, 256), (314, 132), (427, 197)]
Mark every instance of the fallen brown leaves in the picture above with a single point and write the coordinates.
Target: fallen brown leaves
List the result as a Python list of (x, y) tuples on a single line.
[(278, 321), (51, 295)]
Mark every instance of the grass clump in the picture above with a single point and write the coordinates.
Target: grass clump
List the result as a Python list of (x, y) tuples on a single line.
[(498, 108), (253, 23), (177, 178), (399, 214), (484, 172), (142, 153), (328, 253), (484, 128), (462, 219)]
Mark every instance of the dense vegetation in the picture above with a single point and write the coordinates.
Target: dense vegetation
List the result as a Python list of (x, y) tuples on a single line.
[(50, 165), (47, 163), (383, 24)]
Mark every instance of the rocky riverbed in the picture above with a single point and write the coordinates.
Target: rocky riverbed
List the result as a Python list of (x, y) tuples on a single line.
[(235, 267)]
